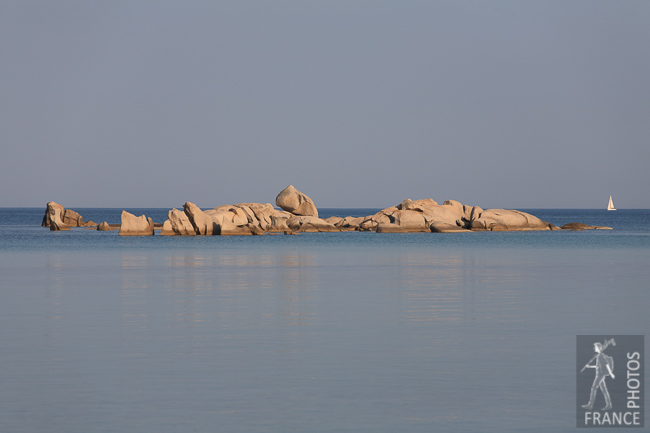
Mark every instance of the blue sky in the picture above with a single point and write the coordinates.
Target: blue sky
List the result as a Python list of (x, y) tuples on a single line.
[(515, 104)]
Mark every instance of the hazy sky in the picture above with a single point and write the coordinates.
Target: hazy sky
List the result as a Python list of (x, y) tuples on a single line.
[(516, 104)]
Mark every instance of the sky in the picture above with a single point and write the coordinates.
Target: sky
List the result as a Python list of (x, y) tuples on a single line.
[(500, 104)]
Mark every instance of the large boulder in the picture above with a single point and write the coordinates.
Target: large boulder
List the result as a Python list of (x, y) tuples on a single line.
[(72, 218), (55, 221), (135, 226), (177, 223), (203, 223), (408, 221), (446, 215), (50, 208), (503, 219), (292, 200)]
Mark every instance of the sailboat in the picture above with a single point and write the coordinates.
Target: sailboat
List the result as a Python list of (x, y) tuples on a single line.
[(610, 205)]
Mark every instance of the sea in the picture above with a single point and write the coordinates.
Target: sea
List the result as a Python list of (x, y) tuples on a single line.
[(353, 332)]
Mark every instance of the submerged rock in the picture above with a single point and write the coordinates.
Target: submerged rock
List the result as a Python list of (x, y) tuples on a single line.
[(581, 226)]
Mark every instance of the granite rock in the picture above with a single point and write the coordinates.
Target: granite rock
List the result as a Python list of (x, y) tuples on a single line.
[(135, 226), (292, 200)]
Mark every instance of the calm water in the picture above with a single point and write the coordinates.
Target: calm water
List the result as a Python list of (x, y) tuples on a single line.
[(350, 332)]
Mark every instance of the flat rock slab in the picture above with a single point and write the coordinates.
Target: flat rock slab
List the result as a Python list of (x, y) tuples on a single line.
[(581, 226)]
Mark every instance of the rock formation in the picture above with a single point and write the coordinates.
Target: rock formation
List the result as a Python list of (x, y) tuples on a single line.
[(177, 223), (54, 216), (299, 214), (239, 219), (292, 200), (72, 218), (68, 217), (135, 226), (501, 219), (49, 211), (106, 227), (452, 216)]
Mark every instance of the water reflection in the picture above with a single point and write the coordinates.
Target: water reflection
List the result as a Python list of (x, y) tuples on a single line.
[(134, 287), (277, 289), (55, 284), (460, 286), (234, 292), (55, 292), (297, 280)]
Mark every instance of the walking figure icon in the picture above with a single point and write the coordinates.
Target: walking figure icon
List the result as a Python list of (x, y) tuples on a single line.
[(604, 366)]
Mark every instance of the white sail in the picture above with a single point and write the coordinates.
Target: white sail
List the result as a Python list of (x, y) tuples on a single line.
[(610, 205)]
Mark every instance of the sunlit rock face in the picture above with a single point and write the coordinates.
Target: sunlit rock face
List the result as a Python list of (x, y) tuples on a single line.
[(292, 200), (135, 226)]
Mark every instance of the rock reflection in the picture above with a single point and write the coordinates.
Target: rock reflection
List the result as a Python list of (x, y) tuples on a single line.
[(56, 266), (458, 287), (227, 288), (134, 287), (297, 278), (55, 286)]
